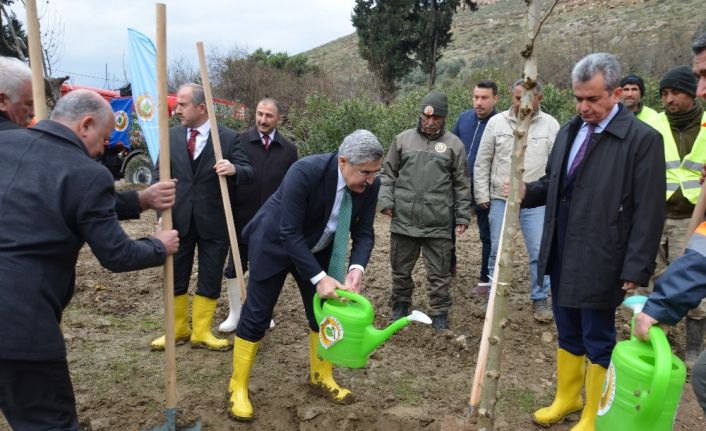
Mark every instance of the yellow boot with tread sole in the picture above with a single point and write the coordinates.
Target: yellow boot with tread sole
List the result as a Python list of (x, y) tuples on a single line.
[(570, 372), (595, 377), (321, 375), (239, 406), (182, 332), (202, 311)]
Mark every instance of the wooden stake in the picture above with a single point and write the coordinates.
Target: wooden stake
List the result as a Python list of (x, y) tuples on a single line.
[(165, 169), (35, 61), (221, 179)]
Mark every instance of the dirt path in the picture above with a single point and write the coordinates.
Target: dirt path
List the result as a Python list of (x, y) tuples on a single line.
[(418, 380)]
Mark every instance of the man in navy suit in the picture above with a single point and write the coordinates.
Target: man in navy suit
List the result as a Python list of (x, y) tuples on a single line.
[(199, 215), (293, 234)]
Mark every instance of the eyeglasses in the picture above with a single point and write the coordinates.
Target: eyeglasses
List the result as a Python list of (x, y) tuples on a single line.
[(367, 174)]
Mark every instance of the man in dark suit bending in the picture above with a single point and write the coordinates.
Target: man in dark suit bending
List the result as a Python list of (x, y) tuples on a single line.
[(199, 216), (296, 232)]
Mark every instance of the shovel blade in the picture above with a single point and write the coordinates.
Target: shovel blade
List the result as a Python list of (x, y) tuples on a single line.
[(170, 425)]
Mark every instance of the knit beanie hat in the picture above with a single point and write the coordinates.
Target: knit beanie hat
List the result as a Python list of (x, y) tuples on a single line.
[(435, 103), (635, 80), (679, 78)]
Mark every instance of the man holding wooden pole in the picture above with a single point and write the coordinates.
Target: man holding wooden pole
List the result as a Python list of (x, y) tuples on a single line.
[(603, 220), (198, 215), (50, 207), (16, 112)]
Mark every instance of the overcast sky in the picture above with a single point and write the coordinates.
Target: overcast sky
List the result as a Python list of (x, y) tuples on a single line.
[(94, 32)]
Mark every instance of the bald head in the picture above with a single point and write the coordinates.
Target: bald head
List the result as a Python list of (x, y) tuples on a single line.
[(16, 91), (88, 115)]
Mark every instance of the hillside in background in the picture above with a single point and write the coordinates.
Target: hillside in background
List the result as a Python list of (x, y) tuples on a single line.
[(649, 36)]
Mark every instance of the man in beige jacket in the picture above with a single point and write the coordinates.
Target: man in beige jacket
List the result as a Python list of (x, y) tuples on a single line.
[(492, 169)]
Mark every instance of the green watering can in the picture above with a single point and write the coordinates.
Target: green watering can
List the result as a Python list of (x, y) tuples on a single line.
[(347, 336), (643, 383)]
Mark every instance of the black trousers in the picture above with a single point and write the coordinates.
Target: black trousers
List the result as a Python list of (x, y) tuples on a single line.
[(37, 395), (230, 267), (212, 257), (262, 297)]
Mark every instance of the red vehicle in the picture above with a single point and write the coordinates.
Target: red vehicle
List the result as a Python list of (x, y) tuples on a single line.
[(130, 160)]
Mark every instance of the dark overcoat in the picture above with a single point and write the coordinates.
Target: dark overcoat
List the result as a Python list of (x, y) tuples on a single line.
[(53, 199), (603, 225)]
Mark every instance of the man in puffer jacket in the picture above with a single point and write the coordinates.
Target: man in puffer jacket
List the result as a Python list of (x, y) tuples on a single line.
[(425, 184)]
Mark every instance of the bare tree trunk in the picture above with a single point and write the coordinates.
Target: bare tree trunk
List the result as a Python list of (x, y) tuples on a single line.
[(432, 72), (497, 320), (18, 44)]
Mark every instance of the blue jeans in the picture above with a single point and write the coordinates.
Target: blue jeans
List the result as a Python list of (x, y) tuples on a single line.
[(484, 233), (531, 222)]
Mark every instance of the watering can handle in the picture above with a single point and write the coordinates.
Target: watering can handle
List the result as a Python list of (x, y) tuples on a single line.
[(360, 299), (661, 377), (345, 294)]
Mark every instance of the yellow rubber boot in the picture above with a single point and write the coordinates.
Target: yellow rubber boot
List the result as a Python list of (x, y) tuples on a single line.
[(239, 406), (182, 332), (202, 310), (321, 375), (570, 371), (595, 377)]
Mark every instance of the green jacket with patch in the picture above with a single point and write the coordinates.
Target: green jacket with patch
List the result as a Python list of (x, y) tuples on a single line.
[(425, 183)]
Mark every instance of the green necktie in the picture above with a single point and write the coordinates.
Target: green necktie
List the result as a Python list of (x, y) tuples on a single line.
[(337, 264)]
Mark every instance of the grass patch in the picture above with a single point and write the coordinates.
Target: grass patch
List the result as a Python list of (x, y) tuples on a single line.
[(519, 400)]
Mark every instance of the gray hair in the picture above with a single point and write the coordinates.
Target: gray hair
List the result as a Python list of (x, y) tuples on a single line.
[(593, 64), (197, 94), (361, 147), (80, 103), (521, 81), (271, 101), (13, 74), (699, 44)]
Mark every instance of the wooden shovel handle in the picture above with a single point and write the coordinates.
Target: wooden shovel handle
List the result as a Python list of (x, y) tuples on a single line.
[(221, 179)]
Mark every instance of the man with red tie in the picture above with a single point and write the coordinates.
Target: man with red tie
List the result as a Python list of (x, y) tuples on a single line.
[(199, 216), (271, 155)]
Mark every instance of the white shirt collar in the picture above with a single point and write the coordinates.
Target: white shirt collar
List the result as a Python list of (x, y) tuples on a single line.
[(204, 129)]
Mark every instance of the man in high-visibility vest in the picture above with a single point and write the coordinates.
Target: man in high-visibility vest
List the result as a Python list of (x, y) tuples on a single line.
[(685, 154), (633, 91)]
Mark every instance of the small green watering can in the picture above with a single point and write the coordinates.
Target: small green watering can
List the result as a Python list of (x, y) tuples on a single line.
[(643, 383), (347, 336)]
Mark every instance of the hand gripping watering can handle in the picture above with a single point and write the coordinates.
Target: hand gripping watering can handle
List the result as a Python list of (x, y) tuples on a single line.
[(652, 404), (355, 297), (360, 299)]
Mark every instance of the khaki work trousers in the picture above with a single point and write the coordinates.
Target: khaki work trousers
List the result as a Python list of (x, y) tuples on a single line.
[(404, 252)]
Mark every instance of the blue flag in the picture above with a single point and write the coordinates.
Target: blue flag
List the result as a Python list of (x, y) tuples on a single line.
[(142, 67), (122, 107)]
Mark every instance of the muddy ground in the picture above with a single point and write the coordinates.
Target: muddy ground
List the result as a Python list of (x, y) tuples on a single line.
[(418, 380)]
